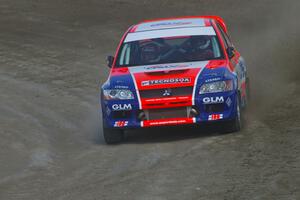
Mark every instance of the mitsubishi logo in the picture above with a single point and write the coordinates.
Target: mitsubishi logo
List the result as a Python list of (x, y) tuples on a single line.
[(167, 92)]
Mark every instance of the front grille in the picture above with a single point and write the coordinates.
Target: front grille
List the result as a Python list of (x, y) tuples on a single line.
[(121, 114), (214, 107), (179, 112), (158, 93)]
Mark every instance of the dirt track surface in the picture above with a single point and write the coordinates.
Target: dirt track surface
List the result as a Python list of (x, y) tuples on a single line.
[(52, 60)]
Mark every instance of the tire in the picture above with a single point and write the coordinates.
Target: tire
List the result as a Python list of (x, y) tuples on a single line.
[(113, 136), (235, 125)]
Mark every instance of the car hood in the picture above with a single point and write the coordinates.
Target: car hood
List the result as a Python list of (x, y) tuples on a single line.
[(167, 75)]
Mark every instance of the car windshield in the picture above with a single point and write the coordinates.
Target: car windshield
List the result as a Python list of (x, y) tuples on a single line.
[(169, 50)]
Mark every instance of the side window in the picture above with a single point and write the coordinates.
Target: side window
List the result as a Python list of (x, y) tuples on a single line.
[(125, 53), (216, 48)]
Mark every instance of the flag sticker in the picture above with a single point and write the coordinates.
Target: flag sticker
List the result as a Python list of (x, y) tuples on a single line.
[(215, 117), (121, 123)]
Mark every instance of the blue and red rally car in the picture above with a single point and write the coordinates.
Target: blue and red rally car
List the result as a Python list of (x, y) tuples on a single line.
[(170, 72)]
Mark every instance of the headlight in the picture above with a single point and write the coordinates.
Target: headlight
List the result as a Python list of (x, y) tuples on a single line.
[(219, 86), (118, 94)]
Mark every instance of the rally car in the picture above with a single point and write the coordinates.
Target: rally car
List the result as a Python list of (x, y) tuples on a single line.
[(170, 72)]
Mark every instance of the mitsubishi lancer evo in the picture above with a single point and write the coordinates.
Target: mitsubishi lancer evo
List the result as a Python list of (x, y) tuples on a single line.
[(171, 72)]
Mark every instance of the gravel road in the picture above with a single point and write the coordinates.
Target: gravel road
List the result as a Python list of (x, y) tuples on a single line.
[(52, 61)]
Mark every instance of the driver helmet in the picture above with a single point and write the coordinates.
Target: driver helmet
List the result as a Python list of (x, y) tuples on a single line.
[(201, 42), (149, 53)]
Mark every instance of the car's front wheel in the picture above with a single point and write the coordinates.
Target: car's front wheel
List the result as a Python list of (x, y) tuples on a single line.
[(113, 136), (235, 125)]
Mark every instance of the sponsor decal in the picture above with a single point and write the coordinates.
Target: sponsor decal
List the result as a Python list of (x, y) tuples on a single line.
[(178, 23), (121, 107), (121, 87), (212, 79), (228, 101), (215, 117), (166, 81), (211, 100), (211, 74), (121, 123), (165, 67), (168, 67), (167, 99), (168, 122)]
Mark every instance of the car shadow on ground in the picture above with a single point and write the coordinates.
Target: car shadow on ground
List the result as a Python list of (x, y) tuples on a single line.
[(171, 134)]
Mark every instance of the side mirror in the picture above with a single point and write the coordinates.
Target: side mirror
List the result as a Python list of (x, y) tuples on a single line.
[(230, 52), (110, 60)]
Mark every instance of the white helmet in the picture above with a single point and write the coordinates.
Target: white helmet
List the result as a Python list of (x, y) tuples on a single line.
[(202, 42)]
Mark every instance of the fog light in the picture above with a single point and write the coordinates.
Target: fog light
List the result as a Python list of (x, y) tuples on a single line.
[(194, 112), (142, 116)]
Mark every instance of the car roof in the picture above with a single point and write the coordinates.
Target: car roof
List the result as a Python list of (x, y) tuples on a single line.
[(171, 23)]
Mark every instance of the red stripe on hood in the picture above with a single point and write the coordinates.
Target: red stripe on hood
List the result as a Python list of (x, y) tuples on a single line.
[(166, 76)]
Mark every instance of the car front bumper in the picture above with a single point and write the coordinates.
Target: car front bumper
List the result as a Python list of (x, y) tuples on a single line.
[(209, 107)]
